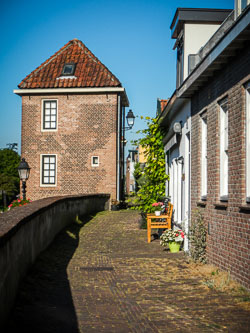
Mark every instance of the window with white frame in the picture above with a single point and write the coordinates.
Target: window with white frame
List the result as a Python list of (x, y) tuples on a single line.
[(224, 150), (49, 115), (95, 161), (248, 142), (48, 170), (203, 157)]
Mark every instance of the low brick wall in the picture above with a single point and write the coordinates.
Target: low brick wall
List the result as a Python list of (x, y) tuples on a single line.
[(26, 231)]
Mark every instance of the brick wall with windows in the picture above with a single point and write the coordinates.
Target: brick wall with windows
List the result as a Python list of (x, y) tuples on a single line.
[(86, 128), (228, 241)]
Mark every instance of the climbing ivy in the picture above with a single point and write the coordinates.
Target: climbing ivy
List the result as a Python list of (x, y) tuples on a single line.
[(152, 189)]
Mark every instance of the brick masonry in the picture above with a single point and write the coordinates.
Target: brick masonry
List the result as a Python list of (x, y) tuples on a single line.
[(87, 126), (229, 241)]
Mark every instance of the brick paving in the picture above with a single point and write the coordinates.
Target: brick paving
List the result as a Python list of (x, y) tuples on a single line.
[(103, 276)]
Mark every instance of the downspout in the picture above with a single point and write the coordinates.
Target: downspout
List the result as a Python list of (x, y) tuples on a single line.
[(123, 153), (118, 151)]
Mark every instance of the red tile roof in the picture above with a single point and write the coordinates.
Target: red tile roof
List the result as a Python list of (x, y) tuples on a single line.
[(89, 71)]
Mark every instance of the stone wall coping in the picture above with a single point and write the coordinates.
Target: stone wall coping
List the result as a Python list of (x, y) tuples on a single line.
[(12, 220)]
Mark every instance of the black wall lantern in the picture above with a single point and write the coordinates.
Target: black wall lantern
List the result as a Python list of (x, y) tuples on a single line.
[(24, 172), (130, 119)]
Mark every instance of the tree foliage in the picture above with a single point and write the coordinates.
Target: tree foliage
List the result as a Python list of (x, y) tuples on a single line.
[(152, 186), (9, 179)]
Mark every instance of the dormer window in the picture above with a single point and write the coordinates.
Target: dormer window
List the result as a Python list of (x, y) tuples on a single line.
[(68, 69)]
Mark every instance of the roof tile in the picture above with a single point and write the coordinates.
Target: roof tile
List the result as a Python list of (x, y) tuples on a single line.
[(89, 71)]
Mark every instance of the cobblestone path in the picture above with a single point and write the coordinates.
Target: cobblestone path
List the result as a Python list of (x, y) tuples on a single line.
[(104, 277)]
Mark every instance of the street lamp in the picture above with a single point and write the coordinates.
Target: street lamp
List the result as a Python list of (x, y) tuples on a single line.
[(130, 120), (24, 171)]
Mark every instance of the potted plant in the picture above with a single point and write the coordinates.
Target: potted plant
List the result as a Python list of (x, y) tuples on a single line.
[(172, 239), (156, 208), (19, 203)]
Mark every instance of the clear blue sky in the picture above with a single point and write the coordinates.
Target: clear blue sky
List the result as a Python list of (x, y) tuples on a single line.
[(132, 38)]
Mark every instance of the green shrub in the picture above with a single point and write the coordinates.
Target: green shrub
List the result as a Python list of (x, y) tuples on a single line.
[(198, 236), (152, 178)]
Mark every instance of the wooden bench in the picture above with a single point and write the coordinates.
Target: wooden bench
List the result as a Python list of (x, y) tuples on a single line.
[(159, 222)]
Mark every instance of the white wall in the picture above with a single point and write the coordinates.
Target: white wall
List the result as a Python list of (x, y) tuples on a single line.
[(196, 36), (179, 187)]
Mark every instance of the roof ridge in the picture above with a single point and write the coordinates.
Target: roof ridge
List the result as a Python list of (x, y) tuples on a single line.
[(80, 43), (61, 50)]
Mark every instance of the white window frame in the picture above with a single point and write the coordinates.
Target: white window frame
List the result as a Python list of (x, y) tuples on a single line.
[(42, 170), (94, 165), (224, 150), (43, 129), (248, 142), (204, 157)]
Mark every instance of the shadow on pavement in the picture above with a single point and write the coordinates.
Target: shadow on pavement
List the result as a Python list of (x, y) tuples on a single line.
[(44, 302)]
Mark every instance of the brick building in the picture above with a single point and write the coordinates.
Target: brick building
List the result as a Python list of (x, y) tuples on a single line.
[(217, 86), (220, 151), (72, 118)]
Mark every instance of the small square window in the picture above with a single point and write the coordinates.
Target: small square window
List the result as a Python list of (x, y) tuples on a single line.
[(68, 69), (95, 161)]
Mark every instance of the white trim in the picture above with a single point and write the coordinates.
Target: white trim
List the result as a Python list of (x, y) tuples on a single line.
[(203, 156), (41, 169), (248, 141), (92, 161), (179, 191), (223, 149), (49, 129), (171, 142), (66, 90), (55, 91)]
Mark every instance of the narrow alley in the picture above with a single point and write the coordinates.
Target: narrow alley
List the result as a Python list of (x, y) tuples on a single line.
[(101, 275)]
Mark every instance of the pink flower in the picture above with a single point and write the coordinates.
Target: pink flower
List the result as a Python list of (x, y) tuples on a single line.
[(18, 200), (10, 205)]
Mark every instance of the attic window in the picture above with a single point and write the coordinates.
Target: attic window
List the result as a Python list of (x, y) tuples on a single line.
[(68, 69)]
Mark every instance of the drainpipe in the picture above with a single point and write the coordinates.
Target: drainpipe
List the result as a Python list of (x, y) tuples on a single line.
[(118, 148), (123, 153)]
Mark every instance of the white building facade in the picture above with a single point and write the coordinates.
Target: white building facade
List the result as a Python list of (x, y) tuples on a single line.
[(191, 28)]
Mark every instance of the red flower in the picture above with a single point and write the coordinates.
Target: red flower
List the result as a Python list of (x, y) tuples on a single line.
[(18, 200), (10, 205)]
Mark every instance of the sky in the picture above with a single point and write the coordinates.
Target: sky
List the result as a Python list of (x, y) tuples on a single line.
[(131, 37)]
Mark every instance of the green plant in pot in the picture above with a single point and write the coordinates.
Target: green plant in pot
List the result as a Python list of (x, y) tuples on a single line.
[(172, 239)]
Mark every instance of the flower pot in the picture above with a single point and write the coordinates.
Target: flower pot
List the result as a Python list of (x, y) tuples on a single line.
[(157, 213), (174, 246)]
